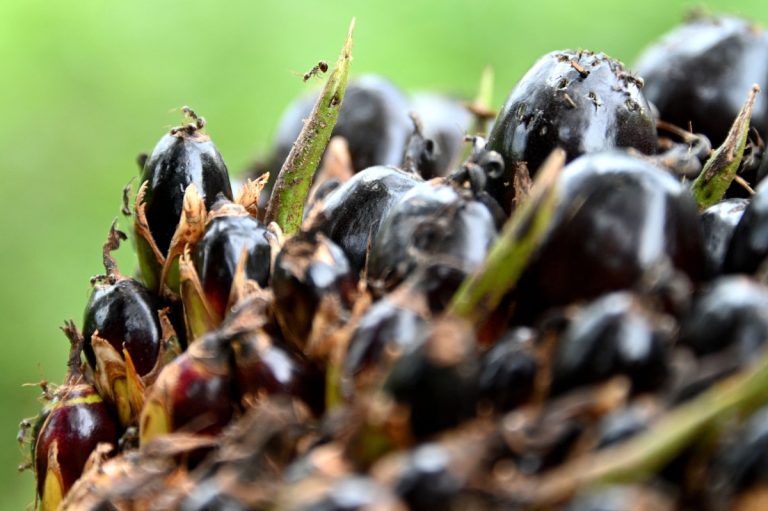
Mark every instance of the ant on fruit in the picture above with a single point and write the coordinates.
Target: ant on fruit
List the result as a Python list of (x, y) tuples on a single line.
[(190, 128), (317, 69)]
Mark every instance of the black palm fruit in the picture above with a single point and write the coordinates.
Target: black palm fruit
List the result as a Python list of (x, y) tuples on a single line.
[(184, 156), (125, 314), (227, 238), (444, 121), (619, 218), (612, 335), (309, 268), (718, 223), (748, 248), (508, 370), (350, 216), (373, 119), (732, 312), (434, 224), (581, 101), (699, 73)]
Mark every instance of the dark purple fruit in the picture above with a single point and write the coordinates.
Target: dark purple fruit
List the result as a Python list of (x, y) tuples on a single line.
[(351, 214), (580, 101), (748, 248), (309, 268), (699, 74), (373, 119), (733, 312), (427, 481), (718, 223), (182, 157), (508, 370), (125, 314), (613, 335), (445, 120), (386, 330), (431, 223), (619, 218), (78, 421), (436, 378), (625, 423), (227, 238)]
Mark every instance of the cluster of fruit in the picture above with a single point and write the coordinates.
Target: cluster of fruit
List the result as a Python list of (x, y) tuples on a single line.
[(569, 314)]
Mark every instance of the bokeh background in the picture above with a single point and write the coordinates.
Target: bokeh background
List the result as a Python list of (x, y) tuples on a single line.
[(86, 85)]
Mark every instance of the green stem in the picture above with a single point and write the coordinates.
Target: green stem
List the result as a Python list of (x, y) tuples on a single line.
[(286, 204), (481, 293), (716, 176)]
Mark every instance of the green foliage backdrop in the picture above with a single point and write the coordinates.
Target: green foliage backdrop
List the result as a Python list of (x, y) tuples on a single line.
[(86, 85)]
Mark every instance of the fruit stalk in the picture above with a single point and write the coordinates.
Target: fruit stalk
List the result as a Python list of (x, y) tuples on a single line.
[(286, 204)]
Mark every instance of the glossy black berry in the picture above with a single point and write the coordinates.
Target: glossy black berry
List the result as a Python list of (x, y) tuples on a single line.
[(182, 157), (508, 370), (444, 120), (125, 314), (581, 101), (431, 223), (732, 312), (227, 238), (748, 248), (613, 335), (309, 268), (717, 224), (619, 218), (699, 73), (373, 119), (351, 214)]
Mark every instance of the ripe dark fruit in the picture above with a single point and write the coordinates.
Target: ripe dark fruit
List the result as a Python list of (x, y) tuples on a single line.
[(619, 218), (436, 378), (717, 224), (373, 119), (182, 157), (444, 121), (583, 102), (308, 269), (612, 335), (748, 248), (125, 314), (508, 370), (733, 312), (434, 224), (350, 216), (230, 235), (698, 74)]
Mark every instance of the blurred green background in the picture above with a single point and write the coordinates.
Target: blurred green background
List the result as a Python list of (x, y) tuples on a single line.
[(86, 85)]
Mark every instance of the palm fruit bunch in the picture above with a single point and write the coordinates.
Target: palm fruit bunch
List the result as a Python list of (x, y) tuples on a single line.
[(567, 309)]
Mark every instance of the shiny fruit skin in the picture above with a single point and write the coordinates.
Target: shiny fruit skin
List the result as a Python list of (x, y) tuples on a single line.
[(352, 213), (76, 424), (125, 314), (217, 254), (749, 242), (178, 160), (699, 73), (619, 218), (733, 311), (717, 224), (580, 101), (430, 223)]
